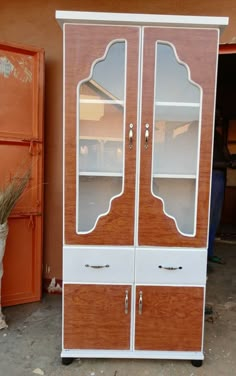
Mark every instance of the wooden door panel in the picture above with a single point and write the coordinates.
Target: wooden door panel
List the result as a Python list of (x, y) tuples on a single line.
[(95, 318), (83, 46), (171, 318), (198, 49)]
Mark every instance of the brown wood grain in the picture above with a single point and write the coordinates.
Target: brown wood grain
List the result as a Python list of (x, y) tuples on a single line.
[(171, 319), (83, 45), (198, 49), (227, 49), (94, 317)]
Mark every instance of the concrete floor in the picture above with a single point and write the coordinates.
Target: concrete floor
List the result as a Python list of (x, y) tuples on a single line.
[(32, 343)]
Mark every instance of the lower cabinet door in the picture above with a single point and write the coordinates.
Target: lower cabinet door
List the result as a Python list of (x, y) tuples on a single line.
[(97, 316), (169, 318)]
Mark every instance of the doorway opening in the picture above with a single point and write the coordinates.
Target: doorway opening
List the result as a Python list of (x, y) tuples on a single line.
[(226, 102)]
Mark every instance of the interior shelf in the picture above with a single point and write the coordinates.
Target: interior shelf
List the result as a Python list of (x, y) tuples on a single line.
[(177, 104), (175, 176), (103, 101), (100, 174)]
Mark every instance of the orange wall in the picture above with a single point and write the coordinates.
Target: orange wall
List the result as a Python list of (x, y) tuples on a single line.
[(33, 22)]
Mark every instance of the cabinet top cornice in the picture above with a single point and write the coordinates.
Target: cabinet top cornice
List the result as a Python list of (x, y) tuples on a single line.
[(140, 19)]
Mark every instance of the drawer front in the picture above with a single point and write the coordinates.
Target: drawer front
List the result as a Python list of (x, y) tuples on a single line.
[(171, 267), (98, 265)]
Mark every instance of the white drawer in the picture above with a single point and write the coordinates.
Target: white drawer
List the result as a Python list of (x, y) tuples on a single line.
[(98, 265), (171, 267)]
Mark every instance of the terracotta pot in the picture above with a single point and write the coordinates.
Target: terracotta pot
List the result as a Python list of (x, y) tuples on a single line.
[(3, 238)]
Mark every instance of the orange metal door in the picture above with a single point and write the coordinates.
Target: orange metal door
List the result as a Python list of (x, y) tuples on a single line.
[(21, 147), (84, 45), (198, 49)]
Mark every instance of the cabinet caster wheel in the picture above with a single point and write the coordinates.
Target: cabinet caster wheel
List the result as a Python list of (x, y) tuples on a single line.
[(196, 363), (66, 361)]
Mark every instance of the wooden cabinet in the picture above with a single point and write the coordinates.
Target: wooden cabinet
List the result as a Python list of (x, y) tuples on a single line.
[(138, 123)]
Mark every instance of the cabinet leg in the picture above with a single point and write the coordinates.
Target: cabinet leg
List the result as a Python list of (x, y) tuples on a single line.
[(196, 363), (66, 361)]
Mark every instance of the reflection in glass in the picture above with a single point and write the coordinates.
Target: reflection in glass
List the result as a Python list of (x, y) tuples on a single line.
[(177, 106), (100, 146), (172, 77)]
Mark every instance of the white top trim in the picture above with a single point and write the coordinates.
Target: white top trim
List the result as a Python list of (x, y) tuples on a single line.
[(140, 19)]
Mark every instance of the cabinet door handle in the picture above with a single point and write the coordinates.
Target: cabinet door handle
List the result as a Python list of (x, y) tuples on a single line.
[(170, 267), (140, 303), (146, 135), (126, 302), (131, 135), (97, 266)]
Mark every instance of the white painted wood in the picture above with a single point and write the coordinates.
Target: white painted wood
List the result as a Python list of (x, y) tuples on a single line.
[(190, 355), (88, 265), (177, 104), (140, 19), (109, 174), (175, 176), (192, 263), (102, 101)]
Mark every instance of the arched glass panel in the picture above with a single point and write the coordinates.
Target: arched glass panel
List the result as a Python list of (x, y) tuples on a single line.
[(176, 134), (100, 145)]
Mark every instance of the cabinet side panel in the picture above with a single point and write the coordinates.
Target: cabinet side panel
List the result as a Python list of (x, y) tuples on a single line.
[(95, 317), (83, 46), (198, 49), (171, 318)]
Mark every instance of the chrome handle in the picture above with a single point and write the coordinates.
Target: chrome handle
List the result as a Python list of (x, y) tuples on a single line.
[(131, 135), (146, 136), (97, 266), (126, 302), (170, 267), (140, 303)]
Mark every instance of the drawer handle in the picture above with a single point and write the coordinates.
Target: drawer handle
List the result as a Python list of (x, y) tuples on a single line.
[(169, 267), (97, 266), (140, 303), (126, 302)]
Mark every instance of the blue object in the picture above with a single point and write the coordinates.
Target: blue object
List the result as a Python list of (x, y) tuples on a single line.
[(217, 199)]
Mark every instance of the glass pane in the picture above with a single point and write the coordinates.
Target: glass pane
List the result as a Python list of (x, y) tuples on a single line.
[(175, 148), (178, 196), (110, 72), (95, 194), (172, 77), (176, 138), (100, 147)]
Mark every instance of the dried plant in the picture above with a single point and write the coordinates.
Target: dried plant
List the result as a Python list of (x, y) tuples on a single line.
[(11, 192)]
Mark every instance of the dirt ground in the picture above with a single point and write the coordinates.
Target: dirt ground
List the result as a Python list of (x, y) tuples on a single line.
[(32, 343)]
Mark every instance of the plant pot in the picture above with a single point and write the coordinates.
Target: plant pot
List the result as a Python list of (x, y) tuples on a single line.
[(3, 238)]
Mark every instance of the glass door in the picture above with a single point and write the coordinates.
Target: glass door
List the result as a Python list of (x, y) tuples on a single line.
[(100, 151), (101, 79), (173, 122), (176, 135)]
